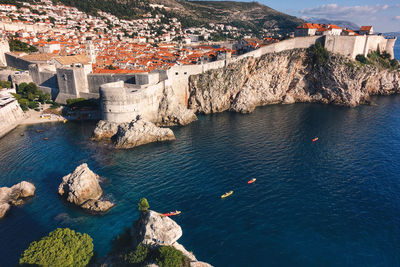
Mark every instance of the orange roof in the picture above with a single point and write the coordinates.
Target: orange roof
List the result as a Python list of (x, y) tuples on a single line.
[(309, 26), (366, 28)]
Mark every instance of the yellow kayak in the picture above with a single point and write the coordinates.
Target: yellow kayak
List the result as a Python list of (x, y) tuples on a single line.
[(227, 194)]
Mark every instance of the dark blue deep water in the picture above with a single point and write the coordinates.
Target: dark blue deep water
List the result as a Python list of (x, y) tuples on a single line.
[(397, 49), (332, 203)]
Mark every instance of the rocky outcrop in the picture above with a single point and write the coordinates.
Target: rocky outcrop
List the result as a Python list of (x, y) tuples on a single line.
[(82, 188), (130, 135), (155, 230), (288, 77), (104, 130), (140, 132), (15, 195), (171, 113)]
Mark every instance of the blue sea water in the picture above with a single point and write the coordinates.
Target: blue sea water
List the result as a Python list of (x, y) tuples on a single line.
[(397, 49), (335, 202)]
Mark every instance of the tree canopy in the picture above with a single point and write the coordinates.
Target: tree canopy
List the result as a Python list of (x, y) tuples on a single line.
[(62, 247)]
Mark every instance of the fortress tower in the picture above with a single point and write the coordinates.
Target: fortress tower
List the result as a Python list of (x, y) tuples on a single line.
[(90, 50), (4, 48)]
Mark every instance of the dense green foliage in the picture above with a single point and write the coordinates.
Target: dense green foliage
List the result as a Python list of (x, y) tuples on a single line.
[(171, 257), (5, 84), (62, 247), (143, 205), (81, 103), (382, 60), (17, 45), (129, 9), (29, 96), (319, 54), (139, 255)]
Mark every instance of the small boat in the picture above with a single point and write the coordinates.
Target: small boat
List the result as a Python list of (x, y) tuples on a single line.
[(252, 181), (227, 194), (64, 121), (46, 138), (315, 139), (172, 213)]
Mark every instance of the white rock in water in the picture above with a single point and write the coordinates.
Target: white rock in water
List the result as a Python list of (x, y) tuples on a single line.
[(156, 230), (105, 130), (15, 195), (140, 132), (82, 188)]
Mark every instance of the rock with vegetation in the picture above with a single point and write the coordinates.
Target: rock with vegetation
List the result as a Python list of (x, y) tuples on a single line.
[(298, 75), (15, 195), (82, 188), (140, 132), (29, 96), (62, 247)]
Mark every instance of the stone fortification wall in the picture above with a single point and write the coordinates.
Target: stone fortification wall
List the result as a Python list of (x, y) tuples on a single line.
[(10, 116), (71, 81), (16, 62), (43, 77), (20, 77), (96, 80), (4, 48), (122, 103), (25, 27)]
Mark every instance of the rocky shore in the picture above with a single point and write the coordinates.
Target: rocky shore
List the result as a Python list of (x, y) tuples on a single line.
[(288, 77), (15, 195), (82, 188), (130, 135)]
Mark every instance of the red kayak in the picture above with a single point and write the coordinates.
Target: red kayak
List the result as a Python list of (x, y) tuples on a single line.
[(252, 181), (172, 213), (315, 139)]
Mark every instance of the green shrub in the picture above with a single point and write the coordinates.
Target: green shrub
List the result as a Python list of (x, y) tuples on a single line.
[(362, 59), (5, 84), (138, 256), (81, 102), (170, 257), (23, 102), (320, 54), (62, 247), (143, 205), (55, 105), (17, 45), (33, 105)]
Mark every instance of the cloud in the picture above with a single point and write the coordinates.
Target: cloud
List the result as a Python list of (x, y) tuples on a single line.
[(397, 18), (337, 11)]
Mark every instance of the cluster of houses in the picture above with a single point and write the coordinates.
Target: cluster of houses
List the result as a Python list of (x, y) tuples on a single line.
[(312, 29)]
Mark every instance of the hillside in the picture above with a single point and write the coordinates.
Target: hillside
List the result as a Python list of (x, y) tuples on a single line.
[(340, 23), (249, 17)]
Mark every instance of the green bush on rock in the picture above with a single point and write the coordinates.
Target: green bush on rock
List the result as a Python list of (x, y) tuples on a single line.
[(138, 256), (171, 257), (62, 247), (143, 205)]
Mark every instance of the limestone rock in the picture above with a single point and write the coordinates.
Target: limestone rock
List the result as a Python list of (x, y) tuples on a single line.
[(15, 196), (82, 188), (288, 77), (156, 230), (104, 130), (140, 132), (200, 264), (171, 112)]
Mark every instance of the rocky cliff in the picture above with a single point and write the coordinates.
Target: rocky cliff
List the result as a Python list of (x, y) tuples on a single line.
[(288, 77)]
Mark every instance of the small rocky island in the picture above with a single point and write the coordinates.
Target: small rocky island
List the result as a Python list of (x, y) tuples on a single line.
[(130, 135), (152, 241), (82, 188), (15, 195)]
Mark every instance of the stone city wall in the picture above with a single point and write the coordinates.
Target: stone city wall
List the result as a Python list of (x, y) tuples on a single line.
[(16, 62), (10, 116)]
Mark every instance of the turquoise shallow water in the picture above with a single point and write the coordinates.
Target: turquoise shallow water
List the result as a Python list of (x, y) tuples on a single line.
[(332, 203)]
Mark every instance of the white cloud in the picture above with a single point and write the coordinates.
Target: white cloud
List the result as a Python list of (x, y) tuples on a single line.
[(337, 11), (397, 18)]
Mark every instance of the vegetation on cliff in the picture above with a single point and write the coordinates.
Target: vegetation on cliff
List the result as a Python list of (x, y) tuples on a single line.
[(382, 60), (62, 247)]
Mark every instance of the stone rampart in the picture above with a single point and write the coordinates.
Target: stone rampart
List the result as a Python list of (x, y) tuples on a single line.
[(10, 116), (16, 62)]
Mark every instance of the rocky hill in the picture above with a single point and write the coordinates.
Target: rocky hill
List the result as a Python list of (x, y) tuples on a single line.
[(249, 17)]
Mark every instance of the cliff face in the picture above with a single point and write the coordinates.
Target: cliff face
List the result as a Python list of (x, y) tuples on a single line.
[(288, 77)]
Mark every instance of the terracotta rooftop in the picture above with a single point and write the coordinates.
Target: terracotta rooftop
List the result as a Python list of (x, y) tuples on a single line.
[(39, 57), (69, 60)]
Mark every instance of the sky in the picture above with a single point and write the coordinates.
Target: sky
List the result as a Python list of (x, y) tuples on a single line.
[(384, 15)]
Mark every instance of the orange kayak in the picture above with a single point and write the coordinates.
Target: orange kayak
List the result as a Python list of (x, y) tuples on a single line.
[(172, 213), (252, 181), (315, 139)]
